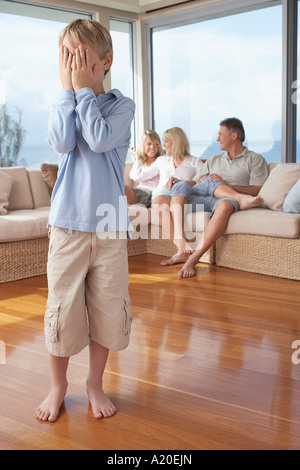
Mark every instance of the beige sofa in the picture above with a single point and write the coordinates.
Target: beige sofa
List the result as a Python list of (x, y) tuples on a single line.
[(260, 240)]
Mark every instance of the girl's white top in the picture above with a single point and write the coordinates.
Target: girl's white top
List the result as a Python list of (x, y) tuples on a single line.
[(164, 168)]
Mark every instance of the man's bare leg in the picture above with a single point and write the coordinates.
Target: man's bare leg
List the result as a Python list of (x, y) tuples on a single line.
[(101, 405), (49, 409), (212, 232), (245, 200)]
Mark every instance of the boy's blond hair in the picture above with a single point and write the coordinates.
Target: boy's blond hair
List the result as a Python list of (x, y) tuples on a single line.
[(180, 143), (154, 137), (91, 33)]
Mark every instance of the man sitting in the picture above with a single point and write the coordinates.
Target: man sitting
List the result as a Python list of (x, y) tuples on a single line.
[(243, 170)]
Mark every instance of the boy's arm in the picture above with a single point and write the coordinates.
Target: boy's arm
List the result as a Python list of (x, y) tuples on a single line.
[(61, 125), (103, 134)]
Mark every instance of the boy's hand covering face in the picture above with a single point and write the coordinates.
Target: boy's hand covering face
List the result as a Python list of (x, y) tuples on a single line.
[(84, 70), (65, 68)]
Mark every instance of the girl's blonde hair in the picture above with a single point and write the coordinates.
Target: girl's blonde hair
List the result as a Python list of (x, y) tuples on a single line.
[(180, 142), (154, 137), (91, 33)]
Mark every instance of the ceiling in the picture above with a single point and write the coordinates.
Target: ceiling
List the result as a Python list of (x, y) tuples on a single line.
[(137, 6)]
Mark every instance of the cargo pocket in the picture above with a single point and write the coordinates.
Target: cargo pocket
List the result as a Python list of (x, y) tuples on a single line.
[(127, 317), (51, 320)]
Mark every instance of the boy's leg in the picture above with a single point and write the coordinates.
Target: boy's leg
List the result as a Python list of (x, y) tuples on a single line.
[(66, 328), (109, 315), (101, 405), (49, 408)]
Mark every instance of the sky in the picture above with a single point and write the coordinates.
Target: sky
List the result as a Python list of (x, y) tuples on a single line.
[(29, 77), (220, 68), (203, 72)]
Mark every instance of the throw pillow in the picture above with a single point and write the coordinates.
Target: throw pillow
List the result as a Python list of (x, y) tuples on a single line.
[(6, 182), (280, 181), (292, 201), (49, 172)]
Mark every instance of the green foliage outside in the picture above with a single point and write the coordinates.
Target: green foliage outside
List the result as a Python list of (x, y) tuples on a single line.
[(11, 138)]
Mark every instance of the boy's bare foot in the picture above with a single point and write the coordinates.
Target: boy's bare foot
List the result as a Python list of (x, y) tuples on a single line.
[(178, 258), (101, 405), (49, 408), (248, 202)]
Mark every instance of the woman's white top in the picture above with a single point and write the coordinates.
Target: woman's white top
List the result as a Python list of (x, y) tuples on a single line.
[(165, 168), (149, 183)]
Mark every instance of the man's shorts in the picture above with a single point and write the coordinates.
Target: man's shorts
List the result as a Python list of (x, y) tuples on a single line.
[(88, 292), (202, 194)]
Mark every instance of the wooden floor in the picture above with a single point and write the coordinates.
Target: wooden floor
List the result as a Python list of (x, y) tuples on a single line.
[(209, 366)]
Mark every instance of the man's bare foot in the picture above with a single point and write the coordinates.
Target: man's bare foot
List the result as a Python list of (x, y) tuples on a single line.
[(101, 405), (248, 202), (49, 409), (188, 269), (178, 258)]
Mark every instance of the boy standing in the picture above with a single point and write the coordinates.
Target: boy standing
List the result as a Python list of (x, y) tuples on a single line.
[(88, 301)]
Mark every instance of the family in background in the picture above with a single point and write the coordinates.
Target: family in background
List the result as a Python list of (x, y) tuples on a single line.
[(225, 183)]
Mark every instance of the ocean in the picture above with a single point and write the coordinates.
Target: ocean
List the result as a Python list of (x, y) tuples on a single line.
[(32, 156)]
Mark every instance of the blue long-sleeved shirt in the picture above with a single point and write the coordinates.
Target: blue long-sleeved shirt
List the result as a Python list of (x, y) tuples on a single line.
[(92, 135)]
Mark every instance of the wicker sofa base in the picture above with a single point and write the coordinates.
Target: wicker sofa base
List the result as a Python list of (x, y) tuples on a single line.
[(263, 255), (279, 257), (22, 259), (28, 258)]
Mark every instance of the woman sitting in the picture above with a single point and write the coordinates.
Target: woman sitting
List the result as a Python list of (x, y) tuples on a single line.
[(149, 149), (169, 199)]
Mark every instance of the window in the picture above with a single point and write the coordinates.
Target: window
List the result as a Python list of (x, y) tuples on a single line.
[(296, 94), (122, 72), (29, 81), (216, 68)]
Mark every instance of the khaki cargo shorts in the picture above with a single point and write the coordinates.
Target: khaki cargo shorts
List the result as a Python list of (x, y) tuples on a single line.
[(87, 292)]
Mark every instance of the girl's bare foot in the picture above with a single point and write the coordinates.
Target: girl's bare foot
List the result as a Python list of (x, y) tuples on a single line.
[(101, 405), (182, 245), (49, 408), (178, 258)]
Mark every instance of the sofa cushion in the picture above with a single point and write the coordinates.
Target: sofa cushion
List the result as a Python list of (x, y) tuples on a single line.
[(24, 224), (49, 173), (281, 179), (292, 201), (264, 222), (39, 189), (20, 196), (6, 182)]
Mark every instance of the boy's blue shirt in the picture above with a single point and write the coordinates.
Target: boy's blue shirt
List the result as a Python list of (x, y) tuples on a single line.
[(92, 135)]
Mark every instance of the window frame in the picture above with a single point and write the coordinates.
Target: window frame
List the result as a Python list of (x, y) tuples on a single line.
[(134, 68), (289, 55), (48, 10)]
